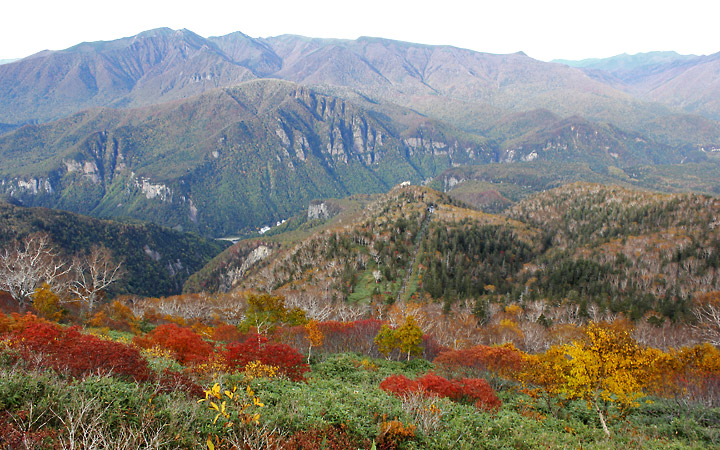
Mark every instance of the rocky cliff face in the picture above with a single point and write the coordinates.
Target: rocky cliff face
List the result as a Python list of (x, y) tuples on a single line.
[(224, 162)]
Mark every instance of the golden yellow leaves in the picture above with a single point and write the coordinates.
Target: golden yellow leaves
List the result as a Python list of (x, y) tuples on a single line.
[(256, 369), (315, 336), (232, 405)]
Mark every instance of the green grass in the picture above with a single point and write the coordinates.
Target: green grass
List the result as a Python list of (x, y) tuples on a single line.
[(341, 391)]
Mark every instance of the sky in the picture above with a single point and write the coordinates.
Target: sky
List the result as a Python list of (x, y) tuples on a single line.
[(543, 29)]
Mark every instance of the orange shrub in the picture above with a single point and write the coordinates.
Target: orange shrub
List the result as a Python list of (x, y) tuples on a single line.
[(188, 347)]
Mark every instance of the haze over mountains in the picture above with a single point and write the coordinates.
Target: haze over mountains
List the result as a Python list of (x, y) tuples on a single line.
[(222, 135), (687, 82)]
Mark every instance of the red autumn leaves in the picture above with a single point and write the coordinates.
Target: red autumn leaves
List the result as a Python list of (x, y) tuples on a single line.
[(466, 390)]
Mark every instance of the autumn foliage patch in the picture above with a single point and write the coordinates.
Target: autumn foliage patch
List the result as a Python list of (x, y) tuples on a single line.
[(466, 390), (504, 360), (288, 361), (67, 350), (330, 438), (187, 346)]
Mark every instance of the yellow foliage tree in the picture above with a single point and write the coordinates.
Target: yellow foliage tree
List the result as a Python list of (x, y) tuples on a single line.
[(609, 367), (265, 311), (545, 372), (385, 340), (409, 336), (315, 336), (47, 303)]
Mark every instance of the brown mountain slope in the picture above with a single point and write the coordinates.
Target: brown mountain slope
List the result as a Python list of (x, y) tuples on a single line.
[(599, 248), (152, 67), (467, 89)]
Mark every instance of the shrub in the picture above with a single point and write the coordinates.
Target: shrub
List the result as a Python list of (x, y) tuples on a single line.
[(117, 316), (68, 350), (329, 438), (188, 347), (467, 390), (14, 435), (393, 433), (226, 333), (479, 392), (399, 385), (286, 359), (15, 322), (357, 336), (439, 386), (171, 381)]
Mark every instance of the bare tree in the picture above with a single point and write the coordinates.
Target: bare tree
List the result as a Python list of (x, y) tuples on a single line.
[(28, 264), (707, 312), (93, 273)]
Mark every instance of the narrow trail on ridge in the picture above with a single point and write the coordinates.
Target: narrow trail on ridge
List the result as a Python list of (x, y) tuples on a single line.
[(418, 241)]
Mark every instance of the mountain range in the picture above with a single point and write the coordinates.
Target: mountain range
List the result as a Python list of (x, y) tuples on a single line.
[(223, 135), (686, 82)]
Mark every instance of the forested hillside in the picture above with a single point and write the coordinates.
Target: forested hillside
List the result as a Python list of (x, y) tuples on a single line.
[(156, 260), (602, 248)]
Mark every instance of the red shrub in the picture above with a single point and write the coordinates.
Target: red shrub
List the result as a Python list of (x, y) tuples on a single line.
[(399, 385), (226, 333), (355, 336), (478, 391), (79, 354), (442, 387), (431, 347), (171, 381), (257, 348), (330, 438), (469, 390), (14, 435), (188, 346), (38, 336), (295, 336)]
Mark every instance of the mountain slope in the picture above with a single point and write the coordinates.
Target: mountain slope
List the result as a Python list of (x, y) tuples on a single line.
[(157, 260), (152, 67), (227, 161), (603, 248), (467, 89), (687, 83)]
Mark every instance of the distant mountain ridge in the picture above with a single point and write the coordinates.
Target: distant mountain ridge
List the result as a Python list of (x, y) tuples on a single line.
[(465, 88), (687, 82), (226, 161)]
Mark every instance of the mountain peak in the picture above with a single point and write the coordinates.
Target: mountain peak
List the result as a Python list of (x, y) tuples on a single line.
[(162, 31)]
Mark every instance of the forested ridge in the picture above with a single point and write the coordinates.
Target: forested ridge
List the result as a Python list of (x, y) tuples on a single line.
[(156, 260), (616, 249)]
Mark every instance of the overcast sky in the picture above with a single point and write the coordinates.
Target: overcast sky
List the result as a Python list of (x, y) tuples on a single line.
[(544, 29)]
